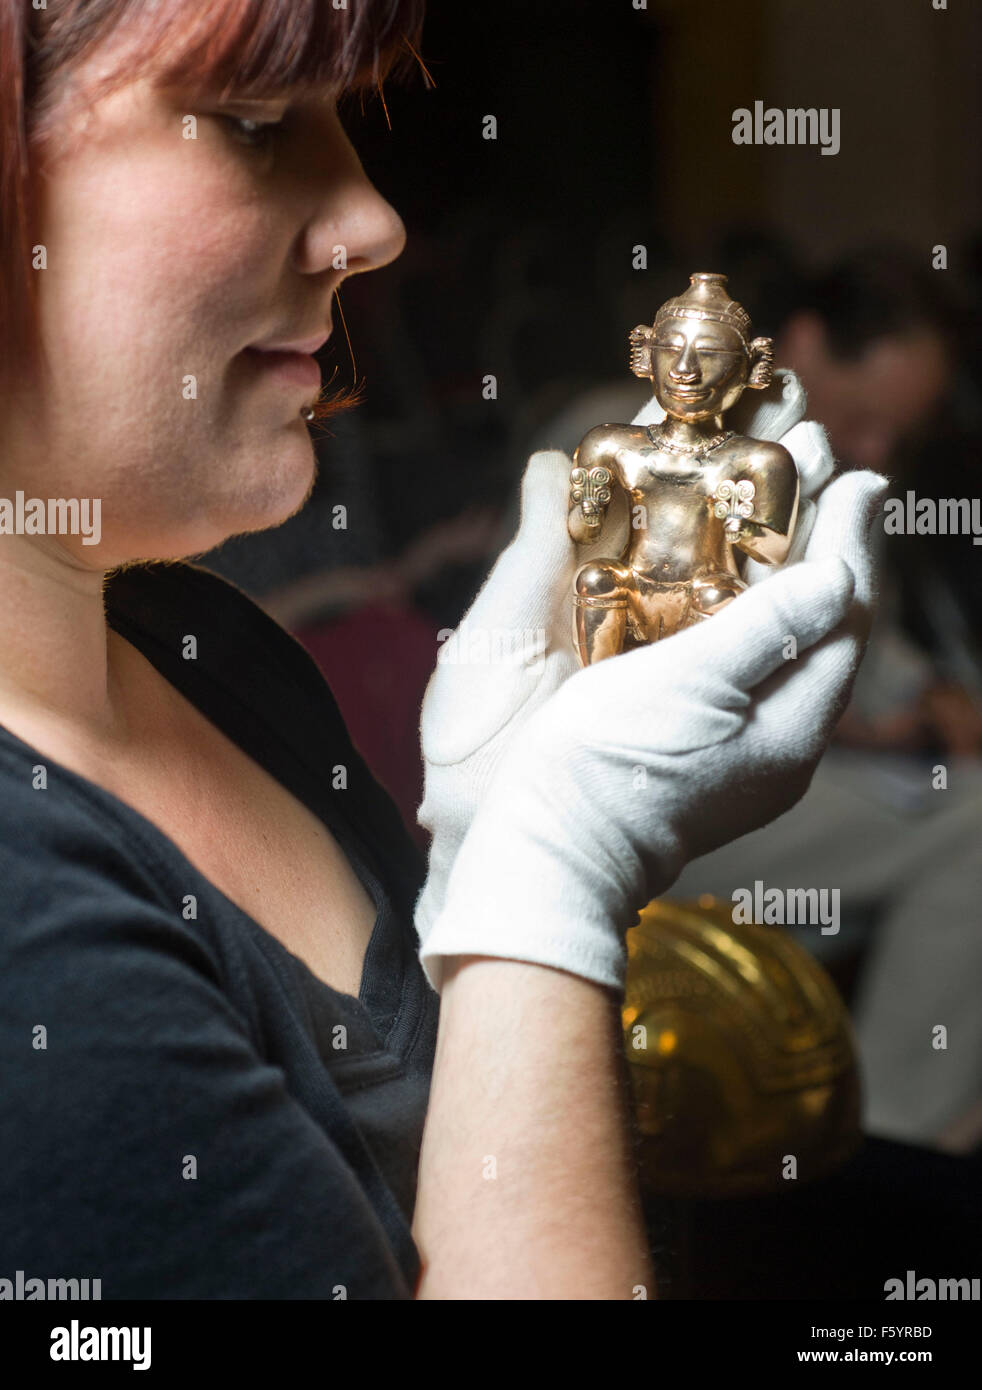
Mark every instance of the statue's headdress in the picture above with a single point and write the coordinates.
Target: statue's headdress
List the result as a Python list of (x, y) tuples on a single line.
[(706, 298)]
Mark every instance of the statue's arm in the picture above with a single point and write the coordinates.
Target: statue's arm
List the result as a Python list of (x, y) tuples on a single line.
[(767, 534), (592, 480)]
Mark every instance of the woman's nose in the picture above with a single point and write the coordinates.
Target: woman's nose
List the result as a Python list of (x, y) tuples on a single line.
[(375, 233), (355, 229)]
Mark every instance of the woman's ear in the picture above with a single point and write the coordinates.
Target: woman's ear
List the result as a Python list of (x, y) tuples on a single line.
[(640, 340), (761, 363)]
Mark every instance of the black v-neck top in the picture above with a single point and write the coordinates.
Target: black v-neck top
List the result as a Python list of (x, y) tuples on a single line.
[(186, 1111)]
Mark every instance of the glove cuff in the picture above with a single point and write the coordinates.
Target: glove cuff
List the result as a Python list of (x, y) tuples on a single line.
[(593, 950)]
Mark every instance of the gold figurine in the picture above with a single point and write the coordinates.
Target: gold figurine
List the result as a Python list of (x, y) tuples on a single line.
[(701, 498)]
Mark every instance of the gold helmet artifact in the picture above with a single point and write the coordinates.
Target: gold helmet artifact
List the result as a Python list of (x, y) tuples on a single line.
[(740, 1054)]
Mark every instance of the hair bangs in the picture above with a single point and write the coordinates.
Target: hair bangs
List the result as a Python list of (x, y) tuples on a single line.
[(253, 48), (266, 47)]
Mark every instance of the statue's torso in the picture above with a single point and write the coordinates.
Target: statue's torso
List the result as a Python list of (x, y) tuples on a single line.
[(675, 534)]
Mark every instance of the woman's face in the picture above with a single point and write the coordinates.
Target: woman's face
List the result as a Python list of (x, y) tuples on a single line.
[(167, 257)]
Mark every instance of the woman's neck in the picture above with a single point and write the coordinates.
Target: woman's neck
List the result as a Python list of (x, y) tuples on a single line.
[(58, 657)]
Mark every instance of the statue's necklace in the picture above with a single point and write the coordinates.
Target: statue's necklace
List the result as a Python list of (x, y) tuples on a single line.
[(703, 447)]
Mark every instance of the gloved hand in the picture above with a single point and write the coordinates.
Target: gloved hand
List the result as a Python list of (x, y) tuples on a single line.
[(640, 763), (513, 648)]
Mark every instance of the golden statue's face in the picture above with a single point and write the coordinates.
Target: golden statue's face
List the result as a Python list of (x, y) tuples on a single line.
[(698, 367)]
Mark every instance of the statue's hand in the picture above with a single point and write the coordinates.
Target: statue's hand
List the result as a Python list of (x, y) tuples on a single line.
[(591, 489), (733, 504)]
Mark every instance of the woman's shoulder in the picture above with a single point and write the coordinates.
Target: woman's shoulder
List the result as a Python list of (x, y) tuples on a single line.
[(80, 876)]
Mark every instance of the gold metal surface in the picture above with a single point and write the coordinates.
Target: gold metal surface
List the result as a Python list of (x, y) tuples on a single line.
[(701, 498), (740, 1055)]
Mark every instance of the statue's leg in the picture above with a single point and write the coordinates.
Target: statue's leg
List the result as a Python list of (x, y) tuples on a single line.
[(711, 592), (600, 610)]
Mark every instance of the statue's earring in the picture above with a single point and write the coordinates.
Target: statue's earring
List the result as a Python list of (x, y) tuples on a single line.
[(640, 340), (762, 357)]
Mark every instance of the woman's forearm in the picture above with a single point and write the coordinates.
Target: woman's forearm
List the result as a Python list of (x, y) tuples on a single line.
[(527, 1182)]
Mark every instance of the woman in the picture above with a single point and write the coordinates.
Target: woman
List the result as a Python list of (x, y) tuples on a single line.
[(217, 1038)]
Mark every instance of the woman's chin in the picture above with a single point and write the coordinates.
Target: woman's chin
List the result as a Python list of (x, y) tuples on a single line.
[(222, 521), (205, 511), (277, 493), (263, 516)]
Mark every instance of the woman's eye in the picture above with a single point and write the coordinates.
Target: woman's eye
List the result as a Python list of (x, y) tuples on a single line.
[(252, 132)]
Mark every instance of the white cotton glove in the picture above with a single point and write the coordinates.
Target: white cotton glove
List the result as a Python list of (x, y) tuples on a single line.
[(649, 759), (514, 647)]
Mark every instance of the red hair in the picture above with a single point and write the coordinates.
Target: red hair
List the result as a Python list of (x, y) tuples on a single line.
[(254, 47)]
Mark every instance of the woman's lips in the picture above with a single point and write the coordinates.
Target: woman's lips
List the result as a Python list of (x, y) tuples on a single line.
[(292, 368)]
